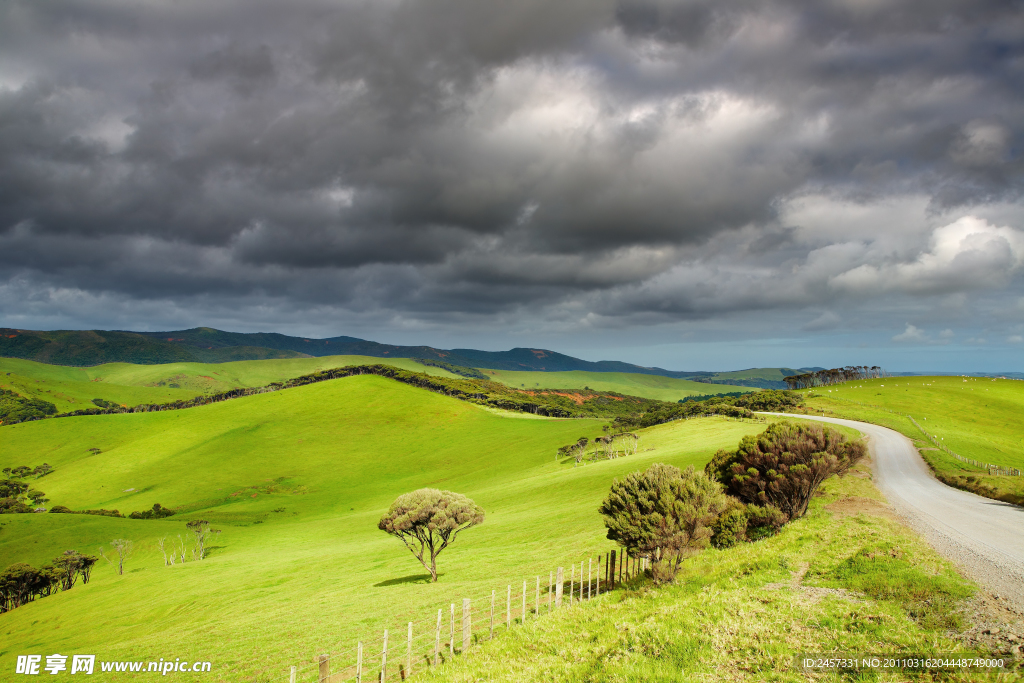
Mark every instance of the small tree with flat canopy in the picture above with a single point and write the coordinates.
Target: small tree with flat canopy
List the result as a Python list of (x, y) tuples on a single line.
[(428, 520)]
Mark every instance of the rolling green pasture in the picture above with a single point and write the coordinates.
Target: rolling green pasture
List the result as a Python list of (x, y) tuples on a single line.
[(845, 578), (296, 480), (976, 417), (979, 418), (73, 388), (648, 386)]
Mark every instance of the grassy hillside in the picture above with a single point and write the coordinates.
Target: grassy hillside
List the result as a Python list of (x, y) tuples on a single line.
[(73, 388), (649, 386), (847, 578), (978, 418), (297, 480)]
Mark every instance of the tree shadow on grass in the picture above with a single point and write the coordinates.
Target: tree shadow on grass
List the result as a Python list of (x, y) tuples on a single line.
[(415, 578)]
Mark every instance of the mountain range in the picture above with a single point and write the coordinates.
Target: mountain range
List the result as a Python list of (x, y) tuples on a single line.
[(207, 345)]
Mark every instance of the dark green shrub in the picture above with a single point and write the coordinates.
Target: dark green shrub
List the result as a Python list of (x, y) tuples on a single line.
[(663, 514), (730, 528), (764, 521), (784, 465), (157, 512), (61, 509), (101, 403), (720, 466)]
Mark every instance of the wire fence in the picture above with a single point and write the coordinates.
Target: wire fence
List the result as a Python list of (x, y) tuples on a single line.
[(455, 629)]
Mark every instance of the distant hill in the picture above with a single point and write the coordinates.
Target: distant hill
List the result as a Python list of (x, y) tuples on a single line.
[(207, 345)]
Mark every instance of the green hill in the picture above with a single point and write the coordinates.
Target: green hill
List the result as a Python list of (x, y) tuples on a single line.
[(649, 386), (977, 418), (74, 388), (296, 480)]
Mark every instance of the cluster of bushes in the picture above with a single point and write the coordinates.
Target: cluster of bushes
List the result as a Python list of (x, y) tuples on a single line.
[(18, 497), (63, 509), (24, 471), (15, 408), (22, 583), (770, 400), (666, 515), (157, 512)]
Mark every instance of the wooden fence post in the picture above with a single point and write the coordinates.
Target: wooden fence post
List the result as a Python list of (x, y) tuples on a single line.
[(291, 677), (610, 570), (536, 607), (590, 579), (558, 589), (325, 668), (508, 609), (492, 613), (581, 580), (451, 634), (384, 659), (597, 581), (437, 638), (524, 603), (467, 624), (408, 652), (359, 662), (572, 583), (551, 588)]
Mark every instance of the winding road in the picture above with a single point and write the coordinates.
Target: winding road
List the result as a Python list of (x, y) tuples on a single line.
[(983, 537)]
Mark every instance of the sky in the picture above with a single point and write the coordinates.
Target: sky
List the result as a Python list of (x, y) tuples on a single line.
[(693, 185)]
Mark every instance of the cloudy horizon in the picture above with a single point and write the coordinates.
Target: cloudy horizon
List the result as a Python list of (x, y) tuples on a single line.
[(684, 184)]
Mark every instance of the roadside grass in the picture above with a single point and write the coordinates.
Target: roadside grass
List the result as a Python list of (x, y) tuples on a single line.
[(296, 480), (978, 418), (648, 386), (821, 586)]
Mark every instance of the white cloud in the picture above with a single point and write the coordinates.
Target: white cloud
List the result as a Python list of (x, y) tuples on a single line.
[(911, 334), (967, 254)]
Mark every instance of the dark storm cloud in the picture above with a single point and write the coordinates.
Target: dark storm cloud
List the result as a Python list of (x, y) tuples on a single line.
[(586, 162)]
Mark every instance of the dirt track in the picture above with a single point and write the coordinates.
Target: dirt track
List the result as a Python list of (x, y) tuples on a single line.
[(983, 537)]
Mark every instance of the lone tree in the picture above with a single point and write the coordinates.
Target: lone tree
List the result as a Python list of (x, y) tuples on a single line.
[(428, 520), (123, 549), (663, 514)]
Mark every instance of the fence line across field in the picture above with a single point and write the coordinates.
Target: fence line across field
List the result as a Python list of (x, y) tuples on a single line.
[(990, 468), (395, 657)]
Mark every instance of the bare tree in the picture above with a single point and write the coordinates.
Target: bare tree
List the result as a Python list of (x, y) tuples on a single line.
[(122, 549), (160, 544), (200, 528), (181, 549)]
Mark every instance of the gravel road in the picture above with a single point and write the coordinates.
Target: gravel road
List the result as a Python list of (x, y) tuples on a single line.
[(984, 537)]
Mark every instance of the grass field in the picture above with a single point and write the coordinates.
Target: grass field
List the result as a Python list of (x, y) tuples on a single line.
[(844, 579), (649, 386), (296, 480), (73, 388), (978, 418)]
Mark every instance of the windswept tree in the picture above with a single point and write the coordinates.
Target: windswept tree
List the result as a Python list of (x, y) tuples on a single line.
[(784, 465), (663, 514), (70, 565), (428, 520)]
